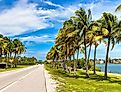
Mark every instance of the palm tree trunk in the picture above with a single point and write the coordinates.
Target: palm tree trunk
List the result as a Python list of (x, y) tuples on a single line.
[(89, 51), (53, 63), (0, 52), (85, 48), (66, 52), (74, 63), (77, 53), (78, 57), (15, 60), (8, 59), (95, 58), (10, 54), (107, 58)]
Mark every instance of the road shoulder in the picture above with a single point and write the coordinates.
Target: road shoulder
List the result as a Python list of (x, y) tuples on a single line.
[(51, 84)]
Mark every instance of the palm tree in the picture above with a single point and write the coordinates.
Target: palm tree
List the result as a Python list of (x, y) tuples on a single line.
[(53, 55), (95, 36), (118, 8), (64, 40), (8, 47), (1, 45), (109, 25), (19, 48), (85, 20)]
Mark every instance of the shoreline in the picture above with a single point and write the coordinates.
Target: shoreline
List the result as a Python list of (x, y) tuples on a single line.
[(112, 68), (109, 74), (108, 63)]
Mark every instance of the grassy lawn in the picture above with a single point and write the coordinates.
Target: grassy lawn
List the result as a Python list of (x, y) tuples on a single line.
[(18, 67), (79, 83)]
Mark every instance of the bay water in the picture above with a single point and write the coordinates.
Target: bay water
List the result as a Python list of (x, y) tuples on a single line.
[(112, 68)]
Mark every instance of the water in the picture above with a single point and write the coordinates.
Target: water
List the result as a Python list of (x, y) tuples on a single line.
[(113, 68)]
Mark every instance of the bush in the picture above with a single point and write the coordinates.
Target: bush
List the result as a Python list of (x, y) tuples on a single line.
[(96, 68), (80, 63)]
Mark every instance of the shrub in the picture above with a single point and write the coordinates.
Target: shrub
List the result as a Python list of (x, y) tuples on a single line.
[(96, 68)]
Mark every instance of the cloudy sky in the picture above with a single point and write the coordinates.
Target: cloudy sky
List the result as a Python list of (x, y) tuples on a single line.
[(36, 22)]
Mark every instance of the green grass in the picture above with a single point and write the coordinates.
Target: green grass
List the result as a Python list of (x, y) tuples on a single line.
[(79, 83), (18, 67)]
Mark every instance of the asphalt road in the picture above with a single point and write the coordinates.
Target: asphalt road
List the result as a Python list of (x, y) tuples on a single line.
[(31, 79)]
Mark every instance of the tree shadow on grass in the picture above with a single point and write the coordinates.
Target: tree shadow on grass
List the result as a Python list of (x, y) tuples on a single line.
[(98, 78), (112, 79)]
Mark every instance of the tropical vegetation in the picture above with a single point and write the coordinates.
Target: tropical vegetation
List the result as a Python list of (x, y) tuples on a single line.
[(78, 35), (11, 50), (67, 82)]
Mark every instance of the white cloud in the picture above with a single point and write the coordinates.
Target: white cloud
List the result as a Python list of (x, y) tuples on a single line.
[(102, 6), (40, 39), (59, 14), (53, 4), (21, 18), (24, 17), (38, 54)]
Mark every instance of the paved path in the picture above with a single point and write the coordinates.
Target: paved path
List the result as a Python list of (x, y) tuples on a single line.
[(26, 80)]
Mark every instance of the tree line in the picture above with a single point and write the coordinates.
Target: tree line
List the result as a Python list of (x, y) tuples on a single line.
[(80, 33), (10, 51)]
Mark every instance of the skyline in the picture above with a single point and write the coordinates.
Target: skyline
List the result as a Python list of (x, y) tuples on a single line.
[(36, 22)]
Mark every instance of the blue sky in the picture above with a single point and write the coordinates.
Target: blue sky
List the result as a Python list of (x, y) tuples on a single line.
[(36, 22)]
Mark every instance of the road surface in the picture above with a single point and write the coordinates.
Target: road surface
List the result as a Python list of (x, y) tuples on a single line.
[(31, 79)]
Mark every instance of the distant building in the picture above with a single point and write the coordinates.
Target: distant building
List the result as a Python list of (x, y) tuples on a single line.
[(100, 61), (116, 61)]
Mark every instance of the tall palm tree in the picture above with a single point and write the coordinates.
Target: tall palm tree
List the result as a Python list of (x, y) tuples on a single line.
[(18, 49), (85, 20), (95, 36), (8, 47), (109, 25), (53, 55), (65, 40), (1, 45)]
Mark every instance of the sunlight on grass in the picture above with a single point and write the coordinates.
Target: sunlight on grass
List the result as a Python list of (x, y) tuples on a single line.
[(18, 67), (79, 83)]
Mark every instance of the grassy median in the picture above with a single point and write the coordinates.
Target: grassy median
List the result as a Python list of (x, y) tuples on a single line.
[(79, 83), (18, 67)]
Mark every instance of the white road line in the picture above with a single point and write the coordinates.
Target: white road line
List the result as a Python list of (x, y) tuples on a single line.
[(2, 90)]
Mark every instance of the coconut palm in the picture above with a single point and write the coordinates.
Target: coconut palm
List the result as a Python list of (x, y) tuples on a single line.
[(18, 49), (64, 41), (110, 27), (9, 47), (6, 49), (1, 44), (85, 20), (118, 8), (53, 55), (95, 35)]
